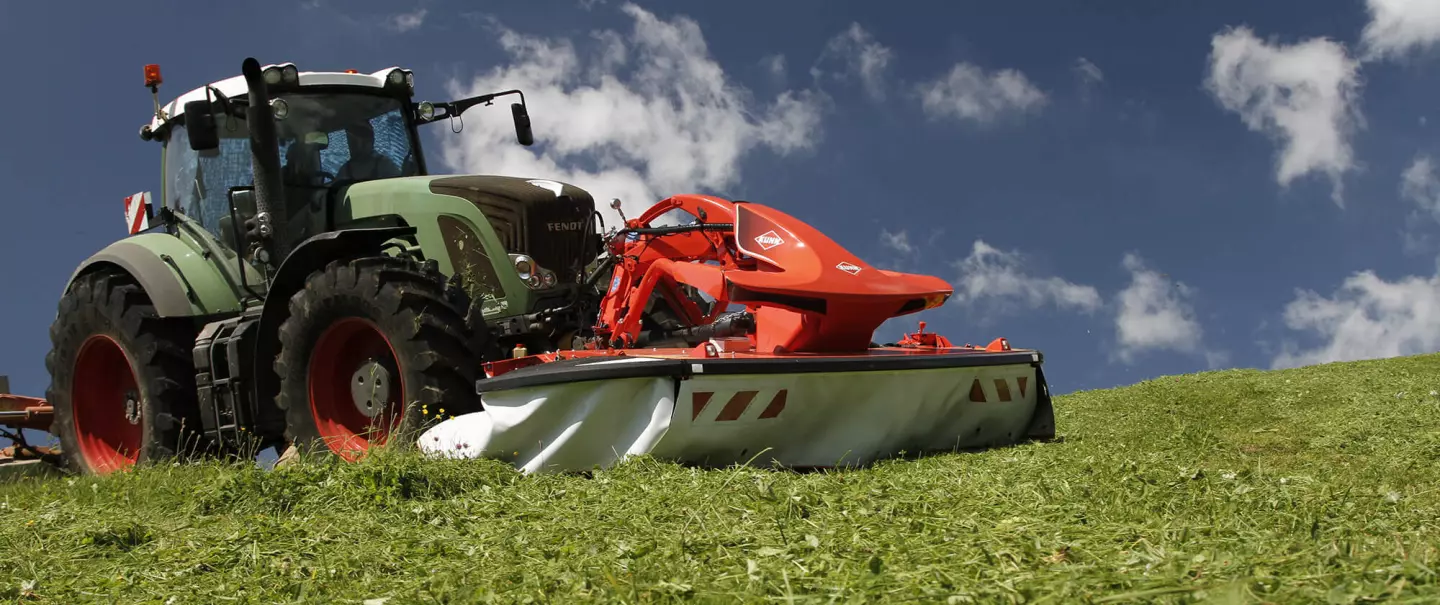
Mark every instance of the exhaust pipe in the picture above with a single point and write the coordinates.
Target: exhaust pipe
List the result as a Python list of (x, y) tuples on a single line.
[(270, 212)]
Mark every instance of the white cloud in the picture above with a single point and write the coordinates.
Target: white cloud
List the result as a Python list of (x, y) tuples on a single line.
[(775, 64), (1420, 186), (967, 92), (1398, 27), (405, 22), (1367, 318), (991, 273), (862, 56), (669, 122), (1154, 313), (1304, 96), (899, 242), (1088, 72), (612, 53)]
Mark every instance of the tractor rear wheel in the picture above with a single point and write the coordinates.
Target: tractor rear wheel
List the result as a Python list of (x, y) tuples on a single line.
[(122, 383), (373, 351)]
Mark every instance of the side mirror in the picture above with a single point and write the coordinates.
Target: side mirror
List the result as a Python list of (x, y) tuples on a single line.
[(200, 126), (522, 124)]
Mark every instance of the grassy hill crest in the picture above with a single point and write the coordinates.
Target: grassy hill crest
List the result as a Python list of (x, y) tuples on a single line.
[(1316, 484)]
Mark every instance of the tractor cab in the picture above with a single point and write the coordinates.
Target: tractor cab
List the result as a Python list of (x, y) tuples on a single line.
[(332, 130), (323, 132)]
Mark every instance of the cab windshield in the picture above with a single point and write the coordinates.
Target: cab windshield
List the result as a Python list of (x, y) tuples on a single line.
[(326, 139), (330, 138)]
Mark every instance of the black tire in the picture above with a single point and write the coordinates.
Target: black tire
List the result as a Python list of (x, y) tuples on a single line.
[(372, 302), (108, 317)]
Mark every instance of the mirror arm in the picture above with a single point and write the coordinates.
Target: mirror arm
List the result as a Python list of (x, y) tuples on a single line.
[(455, 108), (234, 108)]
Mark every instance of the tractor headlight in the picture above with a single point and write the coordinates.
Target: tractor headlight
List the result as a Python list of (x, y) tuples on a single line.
[(280, 109), (273, 76), (401, 78), (531, 273), (290, 75), (427, 110), (523, 265)]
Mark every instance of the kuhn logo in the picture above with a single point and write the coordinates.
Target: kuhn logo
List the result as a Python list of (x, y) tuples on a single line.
[(848, 268), (566, 226), (769, 240)]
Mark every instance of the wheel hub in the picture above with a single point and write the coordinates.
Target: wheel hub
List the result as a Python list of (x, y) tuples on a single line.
[(352, 357), (106, 405), (370, 388), (132, 407)]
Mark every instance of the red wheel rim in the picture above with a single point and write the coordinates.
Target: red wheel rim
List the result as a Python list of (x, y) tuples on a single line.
[(344, 348), (104, 387)]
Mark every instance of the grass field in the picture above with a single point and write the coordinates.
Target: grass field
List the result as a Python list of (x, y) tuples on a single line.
[(1316, 485)]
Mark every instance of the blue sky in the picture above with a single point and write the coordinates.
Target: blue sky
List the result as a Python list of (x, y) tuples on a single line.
[(1135, 188)]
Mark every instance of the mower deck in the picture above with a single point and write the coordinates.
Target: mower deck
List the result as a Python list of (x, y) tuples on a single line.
[(578, 410), (793, 380)]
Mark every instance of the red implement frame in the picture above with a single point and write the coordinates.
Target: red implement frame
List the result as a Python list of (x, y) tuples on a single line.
[(806, 292), (24, 412), (18, 413)]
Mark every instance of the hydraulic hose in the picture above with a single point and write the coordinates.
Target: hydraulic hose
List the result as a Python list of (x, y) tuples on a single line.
[(733, 324), (680, 229)]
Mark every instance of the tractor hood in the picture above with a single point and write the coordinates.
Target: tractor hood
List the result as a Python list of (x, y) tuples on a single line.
[(550, 221)]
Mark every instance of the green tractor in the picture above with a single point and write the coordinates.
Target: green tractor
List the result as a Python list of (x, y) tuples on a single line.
[(309, 283)]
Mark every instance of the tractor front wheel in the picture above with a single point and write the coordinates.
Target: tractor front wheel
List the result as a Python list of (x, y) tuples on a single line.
[(122, 383), (371, 353)]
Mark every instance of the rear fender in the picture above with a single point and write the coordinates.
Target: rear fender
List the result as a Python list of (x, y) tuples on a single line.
[(310, 256), (178, 280)]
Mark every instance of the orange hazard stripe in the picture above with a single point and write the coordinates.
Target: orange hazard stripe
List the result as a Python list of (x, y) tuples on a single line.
[(698, 403), (776, 406), (1002, 389), (736, 406)]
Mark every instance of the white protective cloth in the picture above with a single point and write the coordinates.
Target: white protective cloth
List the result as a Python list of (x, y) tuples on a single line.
[(806, 419), (568, 426)]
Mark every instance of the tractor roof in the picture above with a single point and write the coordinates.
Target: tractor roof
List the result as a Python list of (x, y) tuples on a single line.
[(234, 86)]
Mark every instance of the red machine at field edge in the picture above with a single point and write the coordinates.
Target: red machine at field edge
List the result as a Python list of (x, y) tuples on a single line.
[(672, 288), (808, 294), (792, 377)]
